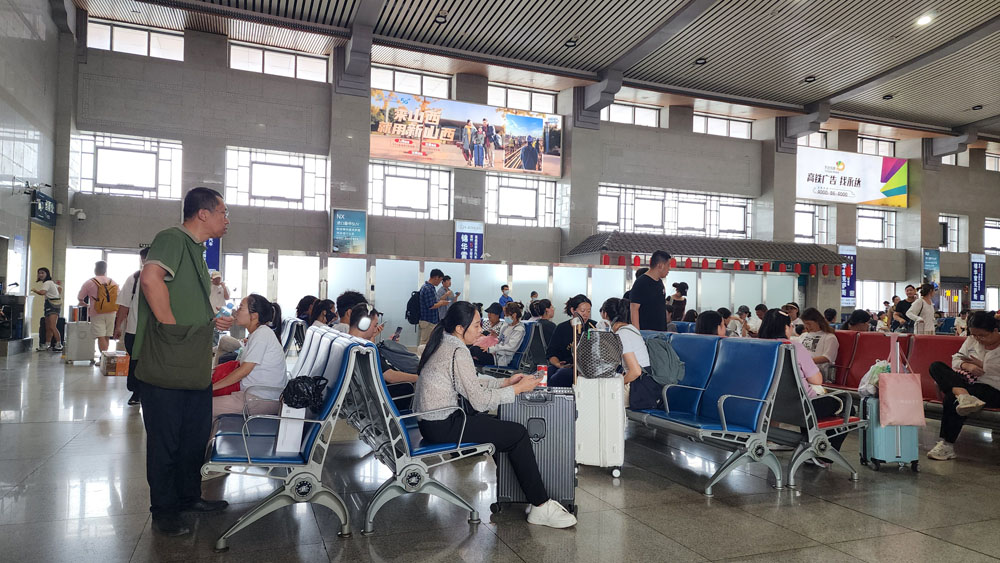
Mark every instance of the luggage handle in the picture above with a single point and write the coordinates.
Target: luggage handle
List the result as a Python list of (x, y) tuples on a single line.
[(536, 397)]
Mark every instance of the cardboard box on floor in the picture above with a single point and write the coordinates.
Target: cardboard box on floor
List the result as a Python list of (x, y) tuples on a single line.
[(114, 363)]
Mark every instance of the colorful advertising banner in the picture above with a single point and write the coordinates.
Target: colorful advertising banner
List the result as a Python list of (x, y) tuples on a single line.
[(977, 282), (849, 284), (458, 134), (469, 240), (932, 270), (847, 177), (350, 231)]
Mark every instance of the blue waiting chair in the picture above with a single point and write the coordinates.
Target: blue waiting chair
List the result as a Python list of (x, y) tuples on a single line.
[(520, 362), (684, 327), (288, 330)]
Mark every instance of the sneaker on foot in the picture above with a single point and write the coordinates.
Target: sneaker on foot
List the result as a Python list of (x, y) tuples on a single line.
[(942, 451), (968, 404), (551, 514), (58, 348), (42, 348), (133, 400)]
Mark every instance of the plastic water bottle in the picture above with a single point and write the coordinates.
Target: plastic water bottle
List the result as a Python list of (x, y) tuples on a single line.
[(543, 372), (226, 311)]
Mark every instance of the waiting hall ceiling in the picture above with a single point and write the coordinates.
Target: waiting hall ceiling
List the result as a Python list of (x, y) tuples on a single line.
[(755, 52)]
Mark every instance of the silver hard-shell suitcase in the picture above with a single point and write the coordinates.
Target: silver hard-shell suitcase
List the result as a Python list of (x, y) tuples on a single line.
[(550, 417)]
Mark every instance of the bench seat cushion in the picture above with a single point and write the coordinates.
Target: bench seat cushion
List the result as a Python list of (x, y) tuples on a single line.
[(831, 421), (425, 447), (233, 424), (694, 421), (230, 449)]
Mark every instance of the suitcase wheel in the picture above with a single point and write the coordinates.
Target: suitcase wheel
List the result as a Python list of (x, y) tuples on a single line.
[(616, 472), (876, 464), (864, 460), (915, 466), (495, 508), (574, 509)]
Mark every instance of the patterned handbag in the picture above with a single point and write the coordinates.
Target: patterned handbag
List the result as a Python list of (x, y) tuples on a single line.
[(599, 354)]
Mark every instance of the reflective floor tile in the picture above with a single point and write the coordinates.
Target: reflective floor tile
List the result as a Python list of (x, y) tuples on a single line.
[(88, 540), (74, 499), (983, 537), (818, 554), (909, 548), (636, 487)]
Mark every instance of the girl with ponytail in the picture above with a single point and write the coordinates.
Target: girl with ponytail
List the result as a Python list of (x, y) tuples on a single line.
[(261, 360)]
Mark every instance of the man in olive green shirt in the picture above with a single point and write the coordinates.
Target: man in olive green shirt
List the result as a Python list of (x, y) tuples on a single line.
[(173, 348)]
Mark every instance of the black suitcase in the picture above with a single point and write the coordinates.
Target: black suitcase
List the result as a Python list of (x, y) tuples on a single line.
[(60, 327), (549, 414)]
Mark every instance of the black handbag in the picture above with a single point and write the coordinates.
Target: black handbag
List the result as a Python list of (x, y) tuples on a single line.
[(304, 392)]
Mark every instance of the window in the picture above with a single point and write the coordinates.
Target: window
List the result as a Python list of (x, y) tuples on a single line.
[(877, 146), (277, 62), (631, 114), (410, 82), (811, 223), (815, 140), (261, 178), (991, 237), (135, 40), (503, 96), (876, 228), (723, 126), (949, 232), (409, 191), (640, 209), (993, 162), (871, 294), (520, 200), (992, 298), (232, 272), (950, 159), (129, 166)]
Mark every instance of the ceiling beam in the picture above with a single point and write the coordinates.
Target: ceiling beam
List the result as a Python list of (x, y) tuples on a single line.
[(200, 7), (951, 47), (981, 124)]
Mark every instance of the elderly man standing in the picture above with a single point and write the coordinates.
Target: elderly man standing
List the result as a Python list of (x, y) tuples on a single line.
[(173, 347)]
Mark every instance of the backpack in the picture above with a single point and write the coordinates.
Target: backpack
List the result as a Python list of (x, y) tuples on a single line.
[(665, 367), (413, 308), (107, 297), (398, 357)]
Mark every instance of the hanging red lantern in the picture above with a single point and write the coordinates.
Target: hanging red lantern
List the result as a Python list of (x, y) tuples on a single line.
[(766, 267), (673, 263), (635, 261), (718, 264), (847, 272), (837, 270), (782, 267), (687, 263), (752, 266), (737, 266), (605, 260), (812, 269), (797, 268), (704, 263), (621, 261), (826, 270)]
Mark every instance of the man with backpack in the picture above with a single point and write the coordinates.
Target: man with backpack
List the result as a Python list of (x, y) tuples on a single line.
[(100, 295), (126, 320), (426, 299)]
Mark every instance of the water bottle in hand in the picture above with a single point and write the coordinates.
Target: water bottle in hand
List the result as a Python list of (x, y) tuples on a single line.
[(226, 311)]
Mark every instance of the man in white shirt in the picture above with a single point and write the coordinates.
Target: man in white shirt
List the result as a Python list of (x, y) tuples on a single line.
[(96, 294), (220, 291), (754, 320), (445, 293), (126, 320)]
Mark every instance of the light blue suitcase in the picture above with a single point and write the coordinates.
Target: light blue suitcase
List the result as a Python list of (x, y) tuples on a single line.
[(887, 444)]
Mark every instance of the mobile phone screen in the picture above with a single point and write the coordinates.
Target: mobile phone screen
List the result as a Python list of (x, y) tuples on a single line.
[(399, 330)]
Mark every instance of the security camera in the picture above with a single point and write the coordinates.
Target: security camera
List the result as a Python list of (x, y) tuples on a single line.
[(81, 216)]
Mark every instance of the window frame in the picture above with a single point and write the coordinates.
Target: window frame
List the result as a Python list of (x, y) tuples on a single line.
[(422, 74), (148, 30), (703, 118), (995, 160), (991, 224), (302, 181), (238, 181), (532, 92), (169, 158), (879, 144), (427, 194), (954, 231), (544, 207), (671, 200), (631, 107), (888, 219), (817, 140), (441, 204), (820, 222), (97, 161), (264, 50)]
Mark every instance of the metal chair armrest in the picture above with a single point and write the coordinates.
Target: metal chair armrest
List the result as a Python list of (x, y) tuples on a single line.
[(848, 403), (666, 405), (461, 433), (722, 412)]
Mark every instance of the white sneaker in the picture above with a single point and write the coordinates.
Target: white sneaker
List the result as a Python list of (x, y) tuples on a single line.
[(58, 348), (42, 348), (942, 451), (551, 514), (968, 404)]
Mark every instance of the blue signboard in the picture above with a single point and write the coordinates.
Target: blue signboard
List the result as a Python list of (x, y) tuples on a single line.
[(932, 271), (43, 209), (849, 284), (350, 231), (469, 240), (977, 282), (213, 253)]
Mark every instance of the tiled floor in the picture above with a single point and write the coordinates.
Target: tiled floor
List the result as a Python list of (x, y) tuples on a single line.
[(72, 488)]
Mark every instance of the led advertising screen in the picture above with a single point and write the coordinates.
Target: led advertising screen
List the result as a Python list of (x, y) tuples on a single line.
[(846, 177)]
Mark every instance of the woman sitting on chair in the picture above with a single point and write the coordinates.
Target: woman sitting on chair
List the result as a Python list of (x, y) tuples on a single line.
[(509, 339)]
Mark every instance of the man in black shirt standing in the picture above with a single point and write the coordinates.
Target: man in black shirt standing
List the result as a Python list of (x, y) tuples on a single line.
[(648, 296), (899, 319)]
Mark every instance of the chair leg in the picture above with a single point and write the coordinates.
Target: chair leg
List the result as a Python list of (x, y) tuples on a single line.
[(278, 499), (802, 454), (388, 491), (838, 459), (772, 463), (434, 487), (332, 500), (736, 459)]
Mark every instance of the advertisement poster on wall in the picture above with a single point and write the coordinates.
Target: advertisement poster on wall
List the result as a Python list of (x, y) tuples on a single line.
[(469, 240), (977, 282), (213, 253), (932, 270), (846, 177), (350, 231), (849, 284), (458, 134)]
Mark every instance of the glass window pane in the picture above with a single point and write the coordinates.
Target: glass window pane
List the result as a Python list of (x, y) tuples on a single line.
[(869, 146), (496, 96), (311, 69), (885, 148), (126, 168), (621, 113), (688, 277), (280, 64), (715, 289), (527, 279), (992, 238), (818, 140), (232, 273), (739, 129), (298, 276), (691, 215), (98, 36), (518, 99), (605, 283), (275, 181), (568, 281), (436, 87), (346, 274), (121, 265), (543, 103), (718, 126), (134, 41), (607, 209), (802, 141), (484, 282), (257, 273), (518, 202), (381, 78), (804, 224), (647, 117), (408, 193), (870, 228), (780, 290), (992, 298), (648, 212), (408, 83), (732, 218), (166, 46), (747, 290), (605, 114), (79, 269), (699, 124), (246, 58)]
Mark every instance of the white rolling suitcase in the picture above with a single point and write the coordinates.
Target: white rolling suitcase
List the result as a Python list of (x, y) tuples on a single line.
[(600, 423), (79, 345)]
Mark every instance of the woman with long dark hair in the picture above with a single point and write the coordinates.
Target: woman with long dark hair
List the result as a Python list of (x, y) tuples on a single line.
[(447, 372), (324, 313), (821, 341), (560, 350), (50, 291), (710, 322), (262, 361)]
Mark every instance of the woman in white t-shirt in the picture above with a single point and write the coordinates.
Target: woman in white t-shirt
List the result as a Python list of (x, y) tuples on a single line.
[(635, 356), (922, 311), (262, 361), (820, 340), (53, 300)]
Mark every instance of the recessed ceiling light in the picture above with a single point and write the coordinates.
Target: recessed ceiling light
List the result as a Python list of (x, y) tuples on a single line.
[(924, 20), (570, 43), (977, 107), (887, 97), (441, 17), (136, 12), (809, 79), (700, 61)]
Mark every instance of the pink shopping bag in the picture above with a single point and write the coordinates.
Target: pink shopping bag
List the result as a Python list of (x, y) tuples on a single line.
[(901, 402)]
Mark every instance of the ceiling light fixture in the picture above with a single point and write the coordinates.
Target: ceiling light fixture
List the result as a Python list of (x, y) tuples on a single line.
[(570, 43), (700, 61), (924, 20), (887, 97), (809, 79), (441, 17), (977, 107)]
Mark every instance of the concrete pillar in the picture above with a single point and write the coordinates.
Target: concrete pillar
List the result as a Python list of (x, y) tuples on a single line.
[(65, 125), (471, 88), (470, 184), (205, 51), (774, 210), (679, 118), (350, 150), (844, 140), (577, 190)]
